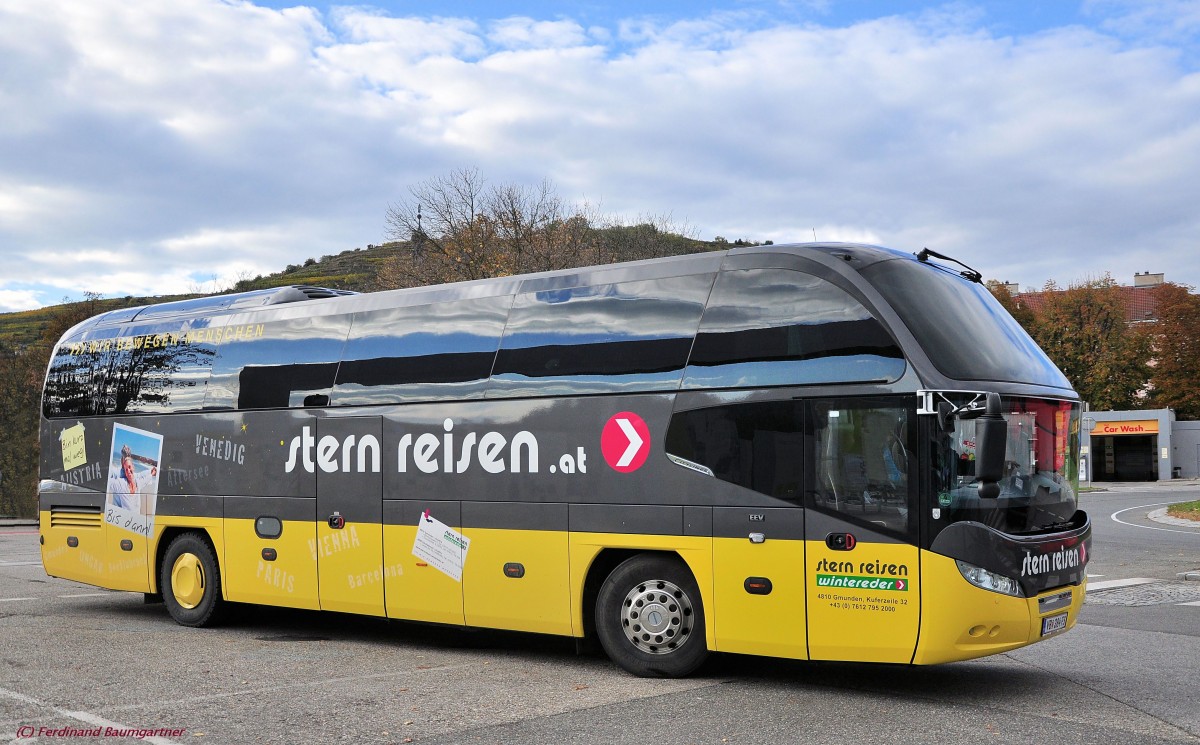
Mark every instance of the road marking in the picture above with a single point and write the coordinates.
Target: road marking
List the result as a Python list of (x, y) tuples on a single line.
[(1111, 583), (19, 563), (1148, 527), (88, 595), (1195, 603), (13, 600), (83, 716)]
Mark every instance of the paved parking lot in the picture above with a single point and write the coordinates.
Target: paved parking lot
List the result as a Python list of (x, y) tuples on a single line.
[(74, 658)]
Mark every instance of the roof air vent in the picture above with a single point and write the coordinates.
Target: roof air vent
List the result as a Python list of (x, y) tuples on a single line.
[(298, 293)]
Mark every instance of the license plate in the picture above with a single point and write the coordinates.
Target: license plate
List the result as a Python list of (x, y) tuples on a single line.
[(1054, 624)]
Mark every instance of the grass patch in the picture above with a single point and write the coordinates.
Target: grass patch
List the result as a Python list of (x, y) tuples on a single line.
[(1185, 510)]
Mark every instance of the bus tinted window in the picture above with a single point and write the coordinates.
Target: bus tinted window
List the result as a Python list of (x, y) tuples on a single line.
[(425, 352), (758, 446), (628, 336), (285, 362), (81, 380), (776, 327), (162, 367), (965, 331)]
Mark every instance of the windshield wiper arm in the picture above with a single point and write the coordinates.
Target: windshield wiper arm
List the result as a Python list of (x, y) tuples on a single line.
[(971, 274)]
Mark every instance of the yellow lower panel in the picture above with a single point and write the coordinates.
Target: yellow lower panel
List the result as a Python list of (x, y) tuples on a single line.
[(290, 580), (414, 590), (350, 568), (695, 551), (540, 601), (83, 562), (962, 621), (126, 570), (770, 624), (864, 605)]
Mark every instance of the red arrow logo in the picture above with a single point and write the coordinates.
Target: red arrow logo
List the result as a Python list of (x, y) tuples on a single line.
[(625, 442)]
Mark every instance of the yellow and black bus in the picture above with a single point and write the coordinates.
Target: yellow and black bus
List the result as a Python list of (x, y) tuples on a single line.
[(815, 451)]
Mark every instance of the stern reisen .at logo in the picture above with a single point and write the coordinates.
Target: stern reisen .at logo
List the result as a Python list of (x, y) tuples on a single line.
[(429, 452)]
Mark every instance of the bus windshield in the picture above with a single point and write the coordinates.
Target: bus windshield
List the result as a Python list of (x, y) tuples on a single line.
[(965, 331), (1039, 485)]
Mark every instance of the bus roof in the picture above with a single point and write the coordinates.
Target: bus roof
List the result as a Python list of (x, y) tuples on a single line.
[(862, 255)]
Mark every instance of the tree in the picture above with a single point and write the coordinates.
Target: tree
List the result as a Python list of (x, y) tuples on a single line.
[(1175, 376), (448, 231), (21, 375), (18, 421), (1083, 330), (1023, 314), (457, 227)]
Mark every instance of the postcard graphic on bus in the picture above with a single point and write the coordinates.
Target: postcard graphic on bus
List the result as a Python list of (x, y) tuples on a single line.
[(132, 493)]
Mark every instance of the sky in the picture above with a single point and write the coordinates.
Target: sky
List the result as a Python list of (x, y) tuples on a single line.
[(151, 147)]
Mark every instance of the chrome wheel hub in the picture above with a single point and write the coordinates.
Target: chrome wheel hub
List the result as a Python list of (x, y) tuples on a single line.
[(657, 617)]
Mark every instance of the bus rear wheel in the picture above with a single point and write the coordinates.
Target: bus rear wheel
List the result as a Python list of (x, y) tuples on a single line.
[(190, 581), (649, 617)]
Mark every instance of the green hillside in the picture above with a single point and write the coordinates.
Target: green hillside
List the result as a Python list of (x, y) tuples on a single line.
[(355, 269)]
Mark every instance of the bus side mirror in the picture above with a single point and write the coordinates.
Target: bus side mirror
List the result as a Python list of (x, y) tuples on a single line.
[(991, 440)]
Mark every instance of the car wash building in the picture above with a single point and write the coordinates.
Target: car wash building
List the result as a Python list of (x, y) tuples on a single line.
[(1126, 445), (1144, 445)]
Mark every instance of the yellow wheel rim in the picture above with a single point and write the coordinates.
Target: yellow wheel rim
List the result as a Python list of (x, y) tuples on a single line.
[(187, 581)]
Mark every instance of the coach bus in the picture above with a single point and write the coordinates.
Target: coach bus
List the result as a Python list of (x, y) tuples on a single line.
[(813, 451)]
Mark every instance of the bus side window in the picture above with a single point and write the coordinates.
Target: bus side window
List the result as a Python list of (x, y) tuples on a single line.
[(861, 464), (422, 352), (82, 380), (780, 327), (164, 366), (615, 337), (756, 445), (276, 362)]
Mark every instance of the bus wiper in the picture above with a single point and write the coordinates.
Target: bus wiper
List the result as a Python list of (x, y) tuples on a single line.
[(971, 274)]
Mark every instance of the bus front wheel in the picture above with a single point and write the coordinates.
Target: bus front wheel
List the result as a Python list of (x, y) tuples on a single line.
[(649, 617), (190, 581)]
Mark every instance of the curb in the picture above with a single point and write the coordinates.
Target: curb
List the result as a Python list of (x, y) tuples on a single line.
[(1160, 516)]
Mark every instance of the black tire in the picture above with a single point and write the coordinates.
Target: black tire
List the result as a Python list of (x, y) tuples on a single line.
[(190, 581), (650, 619)]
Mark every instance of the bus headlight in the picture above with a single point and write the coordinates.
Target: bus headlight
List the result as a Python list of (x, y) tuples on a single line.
[(986, 580)]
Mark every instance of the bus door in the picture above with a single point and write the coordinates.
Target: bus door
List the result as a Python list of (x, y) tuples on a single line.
[(862, 562), (758, 523), (758, 573), (349, 457)]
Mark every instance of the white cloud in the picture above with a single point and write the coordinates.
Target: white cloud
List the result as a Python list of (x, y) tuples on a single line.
[(1157, 20), (14, 300), (27, 206), (527, 33), (210, 139)]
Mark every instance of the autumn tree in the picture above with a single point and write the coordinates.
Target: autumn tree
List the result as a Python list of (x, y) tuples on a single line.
[(1083, 330), (1175, 376), (1022, 313)]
